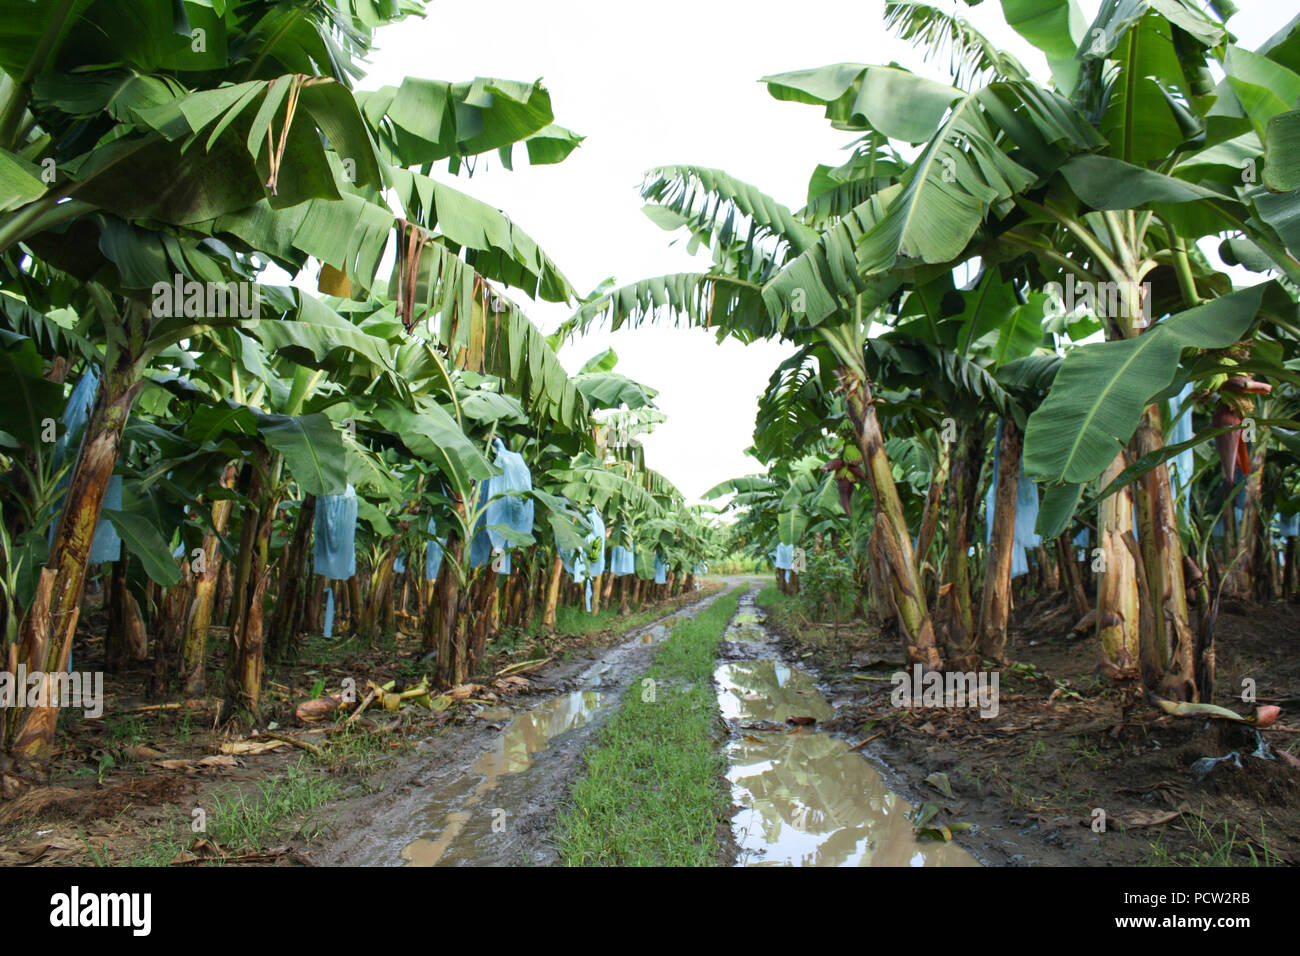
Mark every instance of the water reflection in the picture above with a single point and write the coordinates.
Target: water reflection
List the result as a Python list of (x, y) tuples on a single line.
[(527, 734), (768, 691), (745, 632), (807, 800)]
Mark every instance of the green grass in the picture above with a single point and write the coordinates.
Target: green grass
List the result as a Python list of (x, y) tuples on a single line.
[(167, 841), (283, 806), (256, 821), (576, 622), (127, 730), (1212, 847), (735, 563), (770, 596), (653, 792), (362, 757)]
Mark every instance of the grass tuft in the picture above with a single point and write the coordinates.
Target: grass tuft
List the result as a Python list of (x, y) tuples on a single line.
[(654, 791)]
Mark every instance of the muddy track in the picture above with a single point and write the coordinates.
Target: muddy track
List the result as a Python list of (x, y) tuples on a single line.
[(802, 796), (464, 797), (994, 840)]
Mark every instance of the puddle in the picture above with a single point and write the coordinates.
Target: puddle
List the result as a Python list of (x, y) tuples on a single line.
[(745, 632), (527, 733), (655, 634), (457, 824), (757, 691), (806, 799)]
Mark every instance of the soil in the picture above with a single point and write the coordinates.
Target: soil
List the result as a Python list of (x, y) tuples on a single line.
[(124, 787), (373, 829), (1067, 742)]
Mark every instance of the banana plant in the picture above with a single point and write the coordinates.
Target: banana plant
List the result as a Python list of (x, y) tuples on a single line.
[(1054, 178), (246, 115)]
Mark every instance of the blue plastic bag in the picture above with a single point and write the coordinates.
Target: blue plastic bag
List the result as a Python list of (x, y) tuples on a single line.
[(576, 561), (107, 545), (433, 553), (329, 612), (621, 562), (515, 511), (1026, 513), (335, 554), (783, 557)]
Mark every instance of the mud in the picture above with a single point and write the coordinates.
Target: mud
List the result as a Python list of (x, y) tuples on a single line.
[(485, 793), (803, 797), (1067, 742)]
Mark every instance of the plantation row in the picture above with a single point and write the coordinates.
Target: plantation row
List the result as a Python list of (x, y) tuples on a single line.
[(1035, 295), (402, 448), (1014, 349)]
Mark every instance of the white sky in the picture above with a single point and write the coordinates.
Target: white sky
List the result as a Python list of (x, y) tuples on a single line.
[(653, 85)]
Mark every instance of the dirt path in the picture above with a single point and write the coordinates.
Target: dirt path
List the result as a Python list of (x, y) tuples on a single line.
[(804, 798), (485, 792), (1066, 743)]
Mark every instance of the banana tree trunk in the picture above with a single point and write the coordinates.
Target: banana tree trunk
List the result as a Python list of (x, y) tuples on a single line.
[(1270, 583), (895, 542), (1117, 586), (995, 608), (342, 605), (521, 579), (508, 591), (1289, 576), (381, 588), (933, 499), (225, 588), (1071, 579), (312, 622), (552, 596), (880, 600), (956, 613), (244, 559), (244, 660), (291, 602), (481, 617), (117, 649), (194, 645), (461, 637), (169, 628), (535, 584), (1049, 578), (45, 639), (431, 616), (622, 592), (421, 594), (448, 607), (1244, 577), (1162, 556), (356, 603)]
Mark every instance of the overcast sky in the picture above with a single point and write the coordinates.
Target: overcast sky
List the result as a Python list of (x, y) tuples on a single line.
[(651, 85)]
